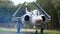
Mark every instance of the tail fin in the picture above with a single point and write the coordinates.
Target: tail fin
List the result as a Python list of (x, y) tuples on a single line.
[(26, 8)]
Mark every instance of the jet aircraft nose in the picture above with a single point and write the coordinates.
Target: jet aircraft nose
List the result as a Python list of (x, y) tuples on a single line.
[(38, 19)]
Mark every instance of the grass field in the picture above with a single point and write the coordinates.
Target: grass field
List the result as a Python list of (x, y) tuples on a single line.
[(30, 31)]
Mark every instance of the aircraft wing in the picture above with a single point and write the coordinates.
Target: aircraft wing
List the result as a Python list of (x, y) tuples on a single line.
[(42, 11), (20, 11)]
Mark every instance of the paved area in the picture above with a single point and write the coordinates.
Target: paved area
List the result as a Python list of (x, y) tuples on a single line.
[(15, 33)]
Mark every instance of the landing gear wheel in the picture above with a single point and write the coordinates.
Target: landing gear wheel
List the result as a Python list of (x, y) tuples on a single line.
[(36, 32), (42, 27)]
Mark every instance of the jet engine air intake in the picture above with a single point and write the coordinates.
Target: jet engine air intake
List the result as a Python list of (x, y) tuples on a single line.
[(27, 18), (43, 18)]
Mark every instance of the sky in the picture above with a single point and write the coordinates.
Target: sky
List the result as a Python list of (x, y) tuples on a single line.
[(16, 2)]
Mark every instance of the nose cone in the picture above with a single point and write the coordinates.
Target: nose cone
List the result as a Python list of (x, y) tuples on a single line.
[(38, 20)]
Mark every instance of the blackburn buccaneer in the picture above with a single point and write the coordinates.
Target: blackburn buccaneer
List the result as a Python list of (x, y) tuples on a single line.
[(35, 18)]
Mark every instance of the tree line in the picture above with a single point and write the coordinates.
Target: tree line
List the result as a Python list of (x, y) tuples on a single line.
[(52, 7)]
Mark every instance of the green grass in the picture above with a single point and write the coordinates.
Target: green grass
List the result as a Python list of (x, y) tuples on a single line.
[(51, 32), (5, 31), (1, 30), (30, 32), (44, 32), (38, 32)]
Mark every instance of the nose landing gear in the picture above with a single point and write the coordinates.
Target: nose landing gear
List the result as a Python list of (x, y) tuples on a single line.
[(42, 28)]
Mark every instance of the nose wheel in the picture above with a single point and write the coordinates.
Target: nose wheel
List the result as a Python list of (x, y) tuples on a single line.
[(42, 28), (36, 31)]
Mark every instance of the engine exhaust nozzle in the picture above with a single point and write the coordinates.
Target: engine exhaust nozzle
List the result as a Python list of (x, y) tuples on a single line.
[(27, 18)]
